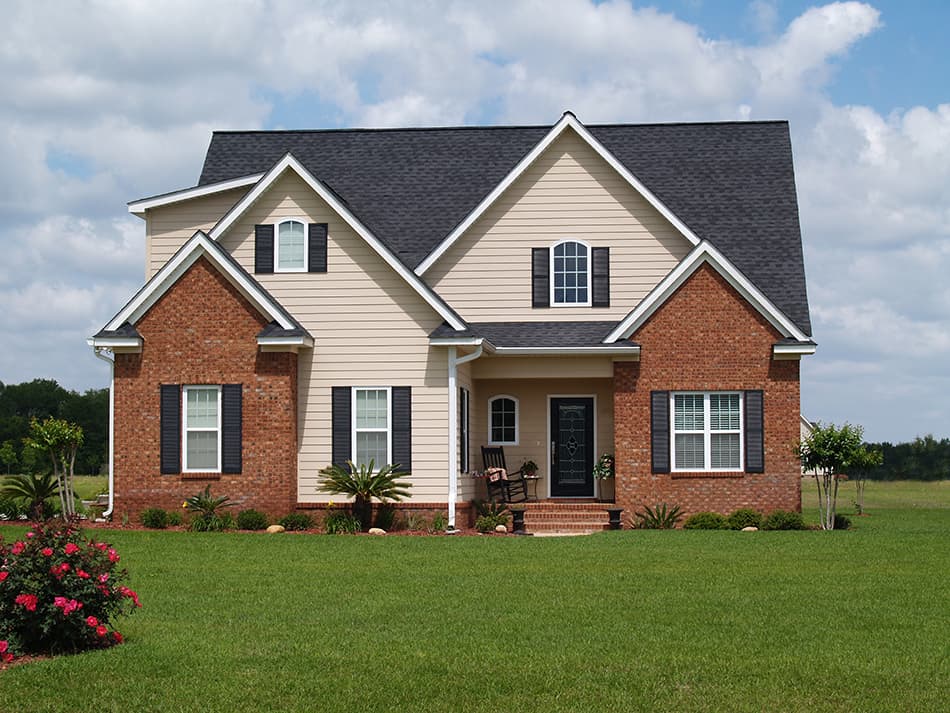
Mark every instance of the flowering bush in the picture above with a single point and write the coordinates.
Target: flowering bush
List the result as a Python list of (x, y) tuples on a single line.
[(60, 592)]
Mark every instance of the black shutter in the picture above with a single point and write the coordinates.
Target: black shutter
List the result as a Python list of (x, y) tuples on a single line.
[(317, 261), (342, 407), (170, 426), (463, 429), (231, 418), (660, 430), (600, 276), (402, 428), (540, 277), (754, 432), (263, 249)]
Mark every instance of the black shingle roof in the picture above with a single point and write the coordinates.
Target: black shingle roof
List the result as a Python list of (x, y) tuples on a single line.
[(731, 183), (537, 334)]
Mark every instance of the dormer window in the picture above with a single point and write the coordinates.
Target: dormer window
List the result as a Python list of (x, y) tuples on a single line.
[(291, 246), (570, 268)]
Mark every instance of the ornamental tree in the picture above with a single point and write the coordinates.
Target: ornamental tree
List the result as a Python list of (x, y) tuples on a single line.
[(832, 452), (59, 440)]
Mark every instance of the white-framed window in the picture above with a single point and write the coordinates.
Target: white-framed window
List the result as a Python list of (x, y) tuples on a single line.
[(570, 274), (707, 431), (201, 425), (291, 246), (503, 420), (372, 426)]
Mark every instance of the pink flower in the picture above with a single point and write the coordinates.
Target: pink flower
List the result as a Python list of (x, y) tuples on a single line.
[(82, 574), (101, 631), (17, 547), (27, 600), (60, 602), (92, 621), (103, 578), (30, 535), (117, 636), (67, 605), (71, 548), (3, 575), (101, 546), (47, 551), (126, 592), (5, 655), (113, 556)]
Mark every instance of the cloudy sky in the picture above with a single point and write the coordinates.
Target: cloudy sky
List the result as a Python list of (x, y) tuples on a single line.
[(106, 102)]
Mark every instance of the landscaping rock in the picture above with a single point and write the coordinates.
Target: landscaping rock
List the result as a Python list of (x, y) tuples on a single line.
[(750, 528), (377, 531), (275, 529), (501, 528)]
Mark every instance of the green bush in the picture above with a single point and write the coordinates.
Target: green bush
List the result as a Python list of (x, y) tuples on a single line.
[(745, 517), (251, 520), (208, 515), (154, 518), (341, 522), (706, 521), (440, 522), (842, 522), (174, 518), (490, 515), (385, 517), (659, 517), (296, 521), (10, 509), (783, 520)]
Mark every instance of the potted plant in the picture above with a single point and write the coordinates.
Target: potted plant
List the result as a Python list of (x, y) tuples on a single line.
[(604, 473), (529, 469)]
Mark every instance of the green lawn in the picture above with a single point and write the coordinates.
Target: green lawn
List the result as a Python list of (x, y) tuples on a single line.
[(642, 620)]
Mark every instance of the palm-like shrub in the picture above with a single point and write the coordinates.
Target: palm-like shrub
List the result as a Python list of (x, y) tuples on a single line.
[(207, 512), (363, 483), (659, 517), (34, 490)]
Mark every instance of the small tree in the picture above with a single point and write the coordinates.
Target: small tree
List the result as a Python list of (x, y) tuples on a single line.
[(866, 460), (363, 483), (60, 440), (830, 452), (8, 455)]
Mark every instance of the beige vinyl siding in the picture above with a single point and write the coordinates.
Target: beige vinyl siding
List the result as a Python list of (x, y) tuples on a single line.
[(370, 328), (169, 227), (533, 416), (568, 193)]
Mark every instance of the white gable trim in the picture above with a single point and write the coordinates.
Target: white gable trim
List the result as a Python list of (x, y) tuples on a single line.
[(288, 162), (704, 253), (140, 206), (199, 245), (568, 120)]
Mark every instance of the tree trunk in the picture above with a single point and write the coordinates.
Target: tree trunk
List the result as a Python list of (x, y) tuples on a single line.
[(363, 509)]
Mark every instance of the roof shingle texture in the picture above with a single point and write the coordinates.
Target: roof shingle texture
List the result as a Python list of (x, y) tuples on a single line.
[(537, 334), (731, 183)]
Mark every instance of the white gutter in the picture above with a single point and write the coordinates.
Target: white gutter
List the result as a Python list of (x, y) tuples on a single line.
[(99, 353), (454, 361)]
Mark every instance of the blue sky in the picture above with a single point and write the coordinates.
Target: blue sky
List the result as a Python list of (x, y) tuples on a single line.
[(109, 101)]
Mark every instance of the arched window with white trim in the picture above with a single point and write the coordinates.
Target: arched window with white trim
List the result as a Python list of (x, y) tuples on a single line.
[(291, 246), (570, 274), (503, 420)]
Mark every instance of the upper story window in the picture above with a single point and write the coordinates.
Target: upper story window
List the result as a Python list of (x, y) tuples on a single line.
[(707, 431), (291, 246), (503, 421), (570, 270), (201, 447)]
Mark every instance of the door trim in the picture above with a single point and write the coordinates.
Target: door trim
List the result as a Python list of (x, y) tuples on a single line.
[(547, 445)]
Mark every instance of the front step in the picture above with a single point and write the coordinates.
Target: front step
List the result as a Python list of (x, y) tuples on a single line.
[(555, 516)]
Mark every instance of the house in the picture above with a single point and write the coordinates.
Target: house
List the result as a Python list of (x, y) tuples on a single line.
[(409, 295)]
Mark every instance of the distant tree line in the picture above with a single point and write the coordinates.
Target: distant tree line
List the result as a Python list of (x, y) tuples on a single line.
[(39, 399), (924, 458)]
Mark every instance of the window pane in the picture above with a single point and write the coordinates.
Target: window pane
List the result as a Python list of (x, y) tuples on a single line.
[(688, 412), (201, 450), (371, 446), (570, 272), (202, 405), (689, 451), (503, 421), (290, 246), (371, 409), (725, 450), (724, 412)]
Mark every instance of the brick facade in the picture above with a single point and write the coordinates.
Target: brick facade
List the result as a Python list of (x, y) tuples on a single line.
[(203, 331), (707, 337)]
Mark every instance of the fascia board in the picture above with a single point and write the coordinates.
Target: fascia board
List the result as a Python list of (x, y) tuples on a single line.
[(138, 207)]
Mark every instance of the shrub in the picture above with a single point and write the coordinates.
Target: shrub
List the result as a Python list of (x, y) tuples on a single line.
[(207, 512), (35, 492), (659, 517), (706, 521), (842, 522), (783, 520), (252, 520), (341, 522), (490, 515), (296, 521), (363, 483), (155, 518), (440, 522), (415, 521), (385, 517), (10, 509), (60, 593), (174, 518), (745, 517)]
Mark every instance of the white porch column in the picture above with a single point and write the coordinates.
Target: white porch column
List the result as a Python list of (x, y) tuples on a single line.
[(453, 435)]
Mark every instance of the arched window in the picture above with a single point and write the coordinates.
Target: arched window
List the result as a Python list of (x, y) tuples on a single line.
[(291, 246), (503, 421), (570, 269)]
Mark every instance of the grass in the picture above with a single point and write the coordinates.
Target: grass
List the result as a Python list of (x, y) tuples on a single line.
[(685, 620), (87, 487)]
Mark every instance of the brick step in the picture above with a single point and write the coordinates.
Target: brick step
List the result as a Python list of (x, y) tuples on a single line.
[(574, 516), (563, 526)]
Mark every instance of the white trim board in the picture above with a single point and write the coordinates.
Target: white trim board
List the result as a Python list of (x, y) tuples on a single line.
[(705, 252), (143, 204), (568, 120), (288, 162)]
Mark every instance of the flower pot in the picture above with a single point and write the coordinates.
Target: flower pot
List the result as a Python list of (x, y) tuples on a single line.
[(605, 490)]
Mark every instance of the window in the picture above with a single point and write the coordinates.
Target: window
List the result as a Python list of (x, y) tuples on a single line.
[(707, 431), (570, 269), (291, 246), (503, 421), (201, 447), (372, 432)]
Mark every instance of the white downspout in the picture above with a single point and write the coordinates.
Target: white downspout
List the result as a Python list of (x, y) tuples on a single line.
[(99, 353), (454, 361)]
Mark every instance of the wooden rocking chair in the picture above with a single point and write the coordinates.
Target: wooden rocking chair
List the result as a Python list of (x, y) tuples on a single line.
[(503, 485)]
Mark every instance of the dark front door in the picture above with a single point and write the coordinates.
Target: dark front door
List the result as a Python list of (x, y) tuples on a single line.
[(572, 447)]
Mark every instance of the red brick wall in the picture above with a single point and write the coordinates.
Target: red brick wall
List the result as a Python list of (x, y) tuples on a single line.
[(706, 337), (202, 331)]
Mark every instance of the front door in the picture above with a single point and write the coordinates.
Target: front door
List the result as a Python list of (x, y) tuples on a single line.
[(572, 447)]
